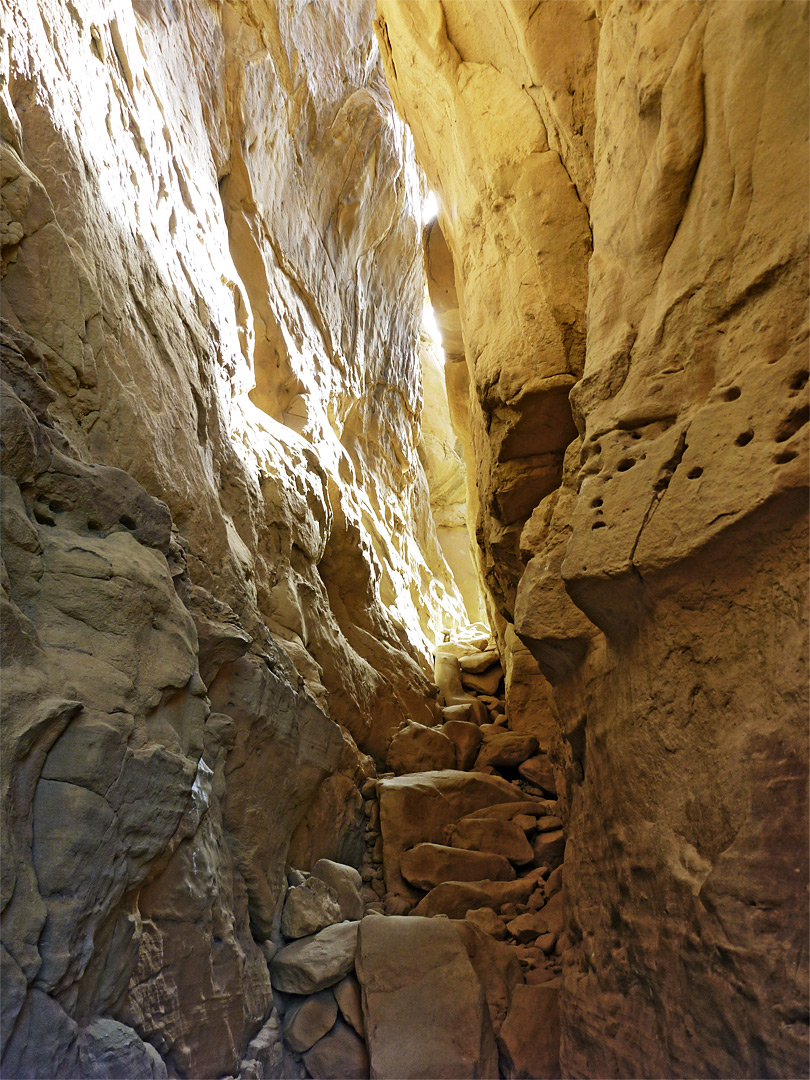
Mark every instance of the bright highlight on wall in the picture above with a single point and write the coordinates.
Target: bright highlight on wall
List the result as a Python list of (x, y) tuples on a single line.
[(430, 208)]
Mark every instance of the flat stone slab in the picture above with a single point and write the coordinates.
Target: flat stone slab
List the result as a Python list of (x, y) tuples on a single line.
[(428, 865), (494, 835)]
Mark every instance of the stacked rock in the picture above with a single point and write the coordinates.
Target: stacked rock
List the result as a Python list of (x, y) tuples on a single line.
[(315, 988), (493, 858)]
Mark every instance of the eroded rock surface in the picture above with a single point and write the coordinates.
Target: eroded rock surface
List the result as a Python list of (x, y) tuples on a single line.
[(625, 185)]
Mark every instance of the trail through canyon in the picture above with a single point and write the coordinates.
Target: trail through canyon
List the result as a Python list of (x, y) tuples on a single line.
[(374, 704)]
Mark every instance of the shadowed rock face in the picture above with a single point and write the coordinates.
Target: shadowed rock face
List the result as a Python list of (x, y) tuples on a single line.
[(220, 572), (660, 579)]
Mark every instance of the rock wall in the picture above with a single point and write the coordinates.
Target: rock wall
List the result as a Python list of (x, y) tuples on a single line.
[(221, 577), (621, 275)]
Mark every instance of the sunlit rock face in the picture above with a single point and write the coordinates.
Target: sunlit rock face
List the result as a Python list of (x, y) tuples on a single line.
[(623, 194), (220, 574)]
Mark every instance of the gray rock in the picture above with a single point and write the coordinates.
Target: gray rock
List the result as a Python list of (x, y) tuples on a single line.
[(346, 883), (347, 994), (313, 963), (340, 1055), (309, 1020), (309, 908), (112, 1051)]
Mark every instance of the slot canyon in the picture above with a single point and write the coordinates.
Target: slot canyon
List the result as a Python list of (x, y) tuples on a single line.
[(404, 539)]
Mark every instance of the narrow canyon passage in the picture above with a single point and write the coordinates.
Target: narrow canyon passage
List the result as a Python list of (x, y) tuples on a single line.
[(404, 539)]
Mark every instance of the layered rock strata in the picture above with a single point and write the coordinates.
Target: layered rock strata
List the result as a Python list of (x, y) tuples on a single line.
[(621, 263)]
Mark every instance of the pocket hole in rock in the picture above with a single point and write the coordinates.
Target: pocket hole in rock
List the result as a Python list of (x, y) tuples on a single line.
[(127, 522), (94, 526), (625, 464), (596, 502), (732, 393), (42, 518), (744, 439), (693, 474), (796, 419), (799, 380), (598, 525), (786, 456)]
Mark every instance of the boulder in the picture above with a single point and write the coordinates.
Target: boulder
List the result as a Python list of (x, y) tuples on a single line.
[(485, 683), (426, 1012), (456, 898), (339, 1055), (506, 749), (428, 865), (535, 807), (550, 916), (419, 808), (466, 737), (529, 1039), (345, 882), (546, 942), (496, 966), (109, 1050), (478, 662), (538, 770), (349, 1001), (448, 679), (309, 1020), (474, 711), (548, 822), (416, 748), (313, 963), (487, 922), (527, 928), (549, 848), (493, 835), (526, 822), (309, 908)]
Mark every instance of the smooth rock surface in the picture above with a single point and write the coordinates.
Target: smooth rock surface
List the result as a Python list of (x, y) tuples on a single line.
[(455, 898), (313, 963), (416, 749), (345, 882), (309, 1020), (339, 1055), (426, 1013), (529, 1037), (427, 865), (493, 835)]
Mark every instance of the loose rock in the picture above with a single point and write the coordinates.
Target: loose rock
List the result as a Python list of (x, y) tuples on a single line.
[(456, 898), (428, 865), (493, 835), (340, 1055), (309, 908), (345, 882), (416, 748), (313, 963), (309, 1020)]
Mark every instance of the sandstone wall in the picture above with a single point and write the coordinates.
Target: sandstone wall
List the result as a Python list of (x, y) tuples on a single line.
[(623, 192), (220, 573)]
